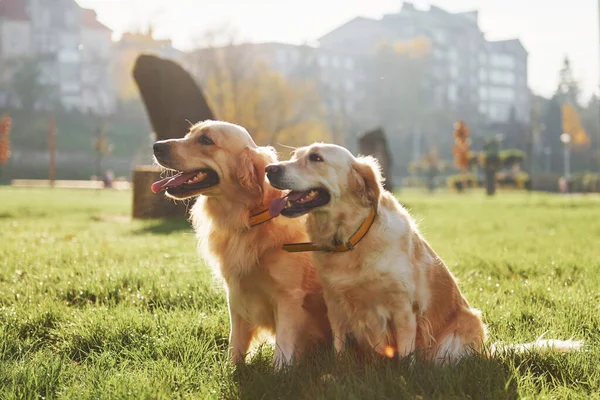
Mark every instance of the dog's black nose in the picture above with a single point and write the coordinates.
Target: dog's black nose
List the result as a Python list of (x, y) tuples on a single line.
[(160, 148), (273, 169)]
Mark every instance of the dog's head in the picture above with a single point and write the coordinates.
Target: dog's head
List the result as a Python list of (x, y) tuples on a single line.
[(214, 158), (324, 177)]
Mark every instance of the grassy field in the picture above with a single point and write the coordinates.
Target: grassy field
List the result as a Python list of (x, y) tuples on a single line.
[(93, 305)]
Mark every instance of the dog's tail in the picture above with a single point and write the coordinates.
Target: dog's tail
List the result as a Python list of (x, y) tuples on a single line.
[(538, 346)]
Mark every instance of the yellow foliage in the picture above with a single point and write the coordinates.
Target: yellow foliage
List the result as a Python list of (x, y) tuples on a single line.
[(132, 45), (127, 88), (273, 109), (572, 125), (462, 145), (414, 48)]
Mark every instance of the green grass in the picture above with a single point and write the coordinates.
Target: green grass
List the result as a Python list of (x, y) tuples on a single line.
[(93, 305)]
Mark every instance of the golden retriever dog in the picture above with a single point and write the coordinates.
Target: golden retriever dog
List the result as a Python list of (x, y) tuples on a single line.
[(267, 288), (383, 284)]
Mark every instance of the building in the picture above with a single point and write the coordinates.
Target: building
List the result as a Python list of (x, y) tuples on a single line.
[(126, 52), (337, 74), (468, 73), (68, 50)]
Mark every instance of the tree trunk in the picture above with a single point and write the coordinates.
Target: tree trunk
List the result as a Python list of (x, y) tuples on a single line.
[(490, 182)]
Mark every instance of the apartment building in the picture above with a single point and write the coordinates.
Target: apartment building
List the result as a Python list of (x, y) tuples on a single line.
[(71, 49), (468, 72)]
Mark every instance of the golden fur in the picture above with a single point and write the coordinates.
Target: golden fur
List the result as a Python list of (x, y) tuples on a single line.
[(391, 292), (267, 288)]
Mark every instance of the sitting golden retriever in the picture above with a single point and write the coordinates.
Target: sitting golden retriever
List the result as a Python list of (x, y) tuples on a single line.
[(267, 288), (383, 283)]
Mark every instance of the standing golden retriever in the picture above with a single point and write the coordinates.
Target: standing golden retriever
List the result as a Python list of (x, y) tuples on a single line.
[(383, 283), (267, 288)]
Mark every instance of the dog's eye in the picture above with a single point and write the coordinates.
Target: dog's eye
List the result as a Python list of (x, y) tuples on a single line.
[(314, 157), (205, 140)]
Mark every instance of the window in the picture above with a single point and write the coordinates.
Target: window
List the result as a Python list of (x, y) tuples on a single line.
[(349, 64), (349, 84), (483, 93), (498, 112), (452, 93), (70, 73), (452, 55), (323, 61), (483, 75), (453, 71), (502, 77), (502, 60), (335, 62), (439, 36), (502, 94), (70, 18), (70, 42)]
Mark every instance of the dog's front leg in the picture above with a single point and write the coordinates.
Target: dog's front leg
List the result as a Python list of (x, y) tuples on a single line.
[(240, 336), (290, 317), (338, 331), (405, 327)]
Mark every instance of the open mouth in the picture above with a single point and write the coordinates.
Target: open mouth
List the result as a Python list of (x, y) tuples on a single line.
[(297, 203), (185, 184)]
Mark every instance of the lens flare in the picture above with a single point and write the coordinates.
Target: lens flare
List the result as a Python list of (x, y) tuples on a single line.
[(389, 351)]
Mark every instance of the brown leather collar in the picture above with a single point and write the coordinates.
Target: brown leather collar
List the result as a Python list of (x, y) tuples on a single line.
[(356, 237), (259, 216)]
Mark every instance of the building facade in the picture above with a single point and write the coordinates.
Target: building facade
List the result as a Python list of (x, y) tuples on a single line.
[(68, 50), (468, 73)]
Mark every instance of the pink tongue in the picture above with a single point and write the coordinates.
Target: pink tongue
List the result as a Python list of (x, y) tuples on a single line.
[(277, 205), (172, 181)]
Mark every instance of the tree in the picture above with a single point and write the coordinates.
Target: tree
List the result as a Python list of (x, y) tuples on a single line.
[(491, 163), (395, 87), (571, 123), (26, 87), (433, 167), (462, 145), (395, 92), (242, 89), (103, 148), (552, 121), (568, 90)]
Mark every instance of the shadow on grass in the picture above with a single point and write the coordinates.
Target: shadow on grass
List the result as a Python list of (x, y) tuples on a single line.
[(165, 227), (328, 377)]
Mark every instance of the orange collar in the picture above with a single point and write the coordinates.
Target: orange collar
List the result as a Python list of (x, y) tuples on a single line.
[(259, 216), (356, 237)]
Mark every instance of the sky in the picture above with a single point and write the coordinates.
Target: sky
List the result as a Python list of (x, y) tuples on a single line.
[(549, 29)]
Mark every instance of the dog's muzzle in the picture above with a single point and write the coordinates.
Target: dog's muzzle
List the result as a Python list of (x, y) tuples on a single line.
[(275, 174)]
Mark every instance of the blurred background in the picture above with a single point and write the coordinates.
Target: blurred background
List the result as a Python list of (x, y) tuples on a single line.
[(522, 76)]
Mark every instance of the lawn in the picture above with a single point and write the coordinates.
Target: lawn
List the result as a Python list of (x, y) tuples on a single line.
[(93, 305)]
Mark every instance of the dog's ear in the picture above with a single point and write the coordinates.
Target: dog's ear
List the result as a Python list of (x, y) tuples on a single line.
[(250, 170), (366, 179)]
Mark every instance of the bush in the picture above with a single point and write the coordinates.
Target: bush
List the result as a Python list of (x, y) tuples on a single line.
[(459, 182)]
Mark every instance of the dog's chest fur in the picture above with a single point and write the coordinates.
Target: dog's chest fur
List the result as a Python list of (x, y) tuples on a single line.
[(366, 285)]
